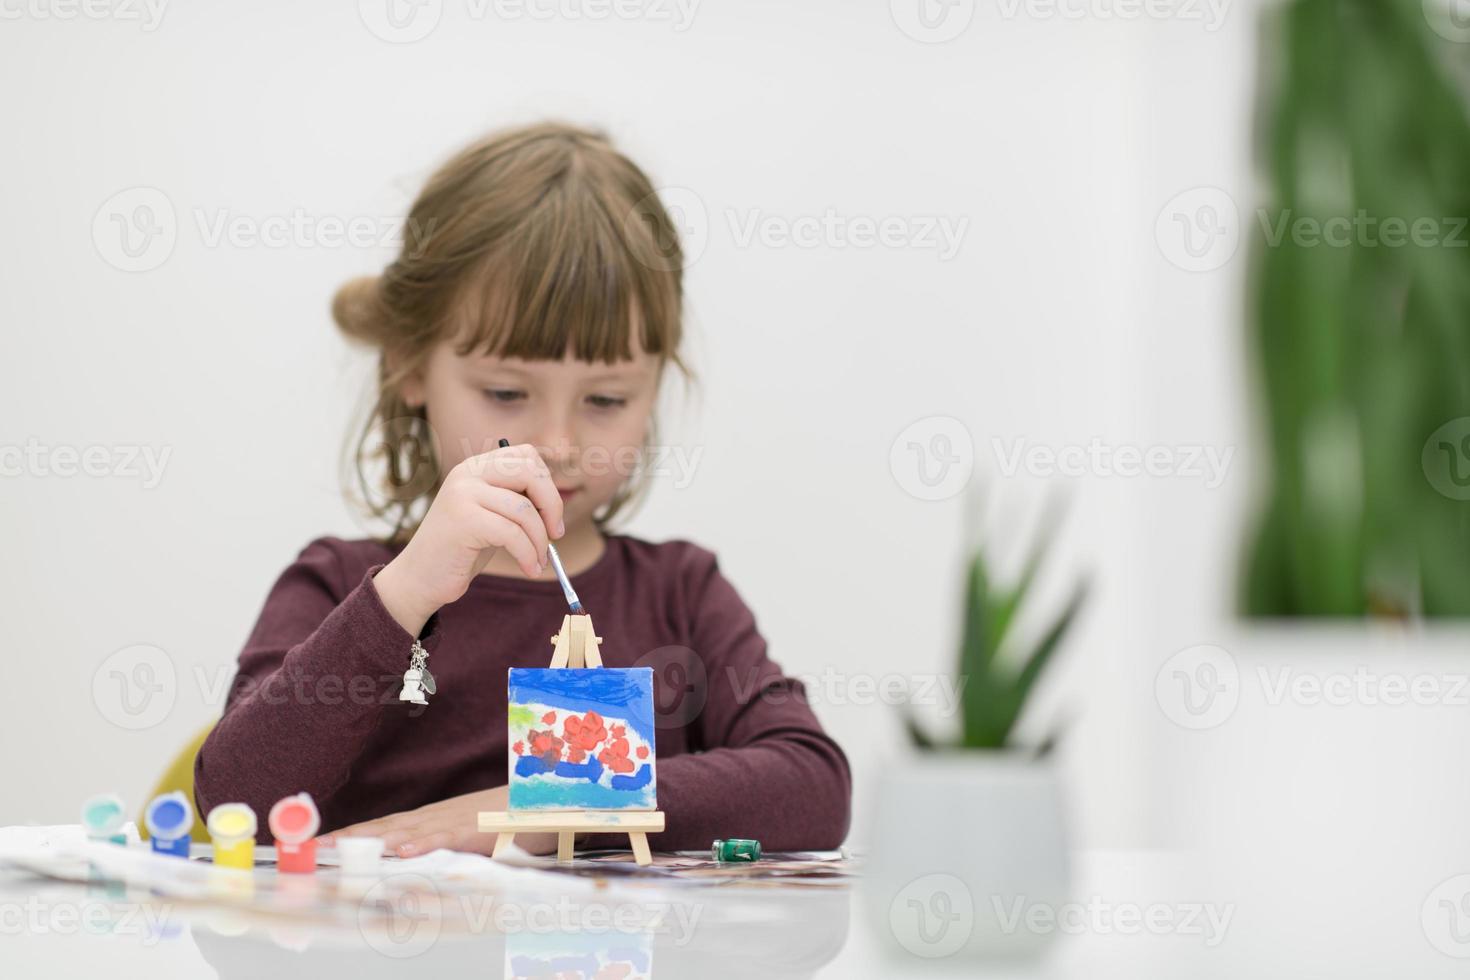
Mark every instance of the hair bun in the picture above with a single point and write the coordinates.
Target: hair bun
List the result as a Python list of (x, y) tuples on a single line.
[(359, 312)]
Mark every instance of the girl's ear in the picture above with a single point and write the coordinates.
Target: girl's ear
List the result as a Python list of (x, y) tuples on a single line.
[(412, 391), (411, 387)]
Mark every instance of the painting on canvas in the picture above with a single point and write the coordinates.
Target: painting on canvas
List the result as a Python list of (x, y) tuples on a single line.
[(581, 739)]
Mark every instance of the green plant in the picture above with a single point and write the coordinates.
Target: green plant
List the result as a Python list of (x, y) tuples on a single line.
[(1362, 345), (998, 669)]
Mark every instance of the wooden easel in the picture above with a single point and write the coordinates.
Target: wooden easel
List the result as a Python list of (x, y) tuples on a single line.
[(575, 646)]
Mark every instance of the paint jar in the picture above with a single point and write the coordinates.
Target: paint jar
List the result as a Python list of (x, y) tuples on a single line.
[(294, 821), (169, 818), (103, 817), (232, 828), (359, 855), (727, 851)]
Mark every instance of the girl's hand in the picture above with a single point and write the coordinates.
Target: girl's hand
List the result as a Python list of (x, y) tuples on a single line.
[(449, 823), (501, 499)]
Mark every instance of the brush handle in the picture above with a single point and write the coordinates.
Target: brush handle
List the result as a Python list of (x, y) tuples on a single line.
[(561, 573)]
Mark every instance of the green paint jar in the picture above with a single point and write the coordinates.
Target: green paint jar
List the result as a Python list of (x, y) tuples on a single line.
[(736, 850)]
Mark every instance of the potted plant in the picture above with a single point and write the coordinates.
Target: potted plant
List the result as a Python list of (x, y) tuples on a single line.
[(1344, 673), (970, 834)]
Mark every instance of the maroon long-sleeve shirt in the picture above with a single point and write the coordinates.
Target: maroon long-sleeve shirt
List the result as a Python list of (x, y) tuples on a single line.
[(315, 704)]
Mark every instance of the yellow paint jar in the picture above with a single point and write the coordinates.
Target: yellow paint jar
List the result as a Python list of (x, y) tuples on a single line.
[(232, 829)]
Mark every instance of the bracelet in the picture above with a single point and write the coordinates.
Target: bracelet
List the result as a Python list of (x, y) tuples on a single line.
[(417, 679)]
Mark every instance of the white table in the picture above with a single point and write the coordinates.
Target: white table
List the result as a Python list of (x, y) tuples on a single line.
[(1293, 926)]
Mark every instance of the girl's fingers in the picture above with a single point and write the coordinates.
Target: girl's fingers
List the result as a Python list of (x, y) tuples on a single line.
[(394, 839), (424, 843), (521, 468), (499, 531), (393, 824), (517, 507), (356, 830)]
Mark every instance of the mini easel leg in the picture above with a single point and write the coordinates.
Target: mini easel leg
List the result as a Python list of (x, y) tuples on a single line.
[(639, 840), (502, 843), (564, 846)]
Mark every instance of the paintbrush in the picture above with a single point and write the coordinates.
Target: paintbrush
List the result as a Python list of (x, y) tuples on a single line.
[(561, 573)]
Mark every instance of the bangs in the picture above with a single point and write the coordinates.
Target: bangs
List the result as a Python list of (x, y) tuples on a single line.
[(571, 275)]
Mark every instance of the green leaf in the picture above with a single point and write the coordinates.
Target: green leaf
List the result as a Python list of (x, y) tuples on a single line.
[(917, 735), (976, 654), (1038, 660)]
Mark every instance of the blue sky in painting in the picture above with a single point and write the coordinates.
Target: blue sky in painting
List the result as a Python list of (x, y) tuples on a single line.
[(624, 691)]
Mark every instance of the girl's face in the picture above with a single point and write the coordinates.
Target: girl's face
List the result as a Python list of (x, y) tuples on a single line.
[(588, 421)]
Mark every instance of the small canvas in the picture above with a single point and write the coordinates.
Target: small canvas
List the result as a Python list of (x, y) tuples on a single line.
[(581, 738)]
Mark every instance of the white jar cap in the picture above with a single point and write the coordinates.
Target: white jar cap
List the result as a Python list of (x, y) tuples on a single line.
[(230, 822)]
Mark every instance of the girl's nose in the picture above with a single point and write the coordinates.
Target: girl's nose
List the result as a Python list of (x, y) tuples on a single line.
[(557, 450)]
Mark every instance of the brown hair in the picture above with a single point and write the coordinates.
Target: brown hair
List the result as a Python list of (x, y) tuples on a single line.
[(525, 243)]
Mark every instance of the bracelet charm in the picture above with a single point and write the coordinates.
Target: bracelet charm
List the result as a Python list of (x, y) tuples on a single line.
[(417, 680)]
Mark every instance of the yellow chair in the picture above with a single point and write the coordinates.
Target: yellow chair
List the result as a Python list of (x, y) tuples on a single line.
[(180, 775)]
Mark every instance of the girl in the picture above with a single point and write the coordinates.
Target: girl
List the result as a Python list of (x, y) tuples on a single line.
[(537, 297)]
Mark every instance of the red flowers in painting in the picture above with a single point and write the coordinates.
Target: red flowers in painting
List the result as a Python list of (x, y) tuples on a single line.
[(581, 736), (615, 756), (546, 745)]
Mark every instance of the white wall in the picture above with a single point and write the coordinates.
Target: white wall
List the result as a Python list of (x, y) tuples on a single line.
[(1057, 320)]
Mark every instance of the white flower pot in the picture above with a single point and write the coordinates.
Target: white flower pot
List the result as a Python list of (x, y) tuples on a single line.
[(964, 845)]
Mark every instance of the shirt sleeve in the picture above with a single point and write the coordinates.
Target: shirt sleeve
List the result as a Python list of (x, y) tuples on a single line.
[(767, 771), (312, 681)]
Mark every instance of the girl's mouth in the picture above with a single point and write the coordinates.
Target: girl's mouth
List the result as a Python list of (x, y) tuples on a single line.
[(566, 493)]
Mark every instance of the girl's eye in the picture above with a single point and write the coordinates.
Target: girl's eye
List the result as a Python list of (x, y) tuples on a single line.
[(505, 394), (606, 401)]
